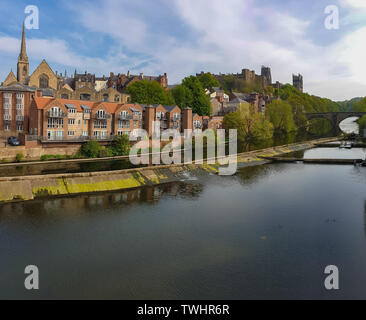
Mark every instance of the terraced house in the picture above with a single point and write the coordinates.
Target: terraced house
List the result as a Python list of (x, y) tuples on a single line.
[(55, 120)]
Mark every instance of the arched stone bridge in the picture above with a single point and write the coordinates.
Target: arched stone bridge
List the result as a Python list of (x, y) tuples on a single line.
[(334, 117)]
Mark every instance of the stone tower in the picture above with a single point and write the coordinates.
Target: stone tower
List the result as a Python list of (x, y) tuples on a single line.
[(23, 63), (266, 73), (298, 82)]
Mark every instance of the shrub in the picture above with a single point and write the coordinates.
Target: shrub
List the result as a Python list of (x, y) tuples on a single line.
[(105, 152), (47, 157), (90, 149), (121, 145), (19, 157)]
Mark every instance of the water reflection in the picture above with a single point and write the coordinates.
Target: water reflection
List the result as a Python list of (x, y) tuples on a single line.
[(38, 209)]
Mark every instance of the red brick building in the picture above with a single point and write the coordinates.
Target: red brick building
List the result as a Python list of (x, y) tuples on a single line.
[(15, 101)]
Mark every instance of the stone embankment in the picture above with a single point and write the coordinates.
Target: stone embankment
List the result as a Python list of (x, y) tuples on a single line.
[(31, 187)]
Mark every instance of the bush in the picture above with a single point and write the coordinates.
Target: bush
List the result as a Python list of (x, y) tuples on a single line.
[(19, 157), (105, 152), (90, 149), (121, 145), (47, 157)]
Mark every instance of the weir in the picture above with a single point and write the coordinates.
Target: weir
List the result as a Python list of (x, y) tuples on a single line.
[(22, 188)]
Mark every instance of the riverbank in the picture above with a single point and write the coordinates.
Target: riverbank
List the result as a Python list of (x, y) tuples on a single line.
[(24, 188)]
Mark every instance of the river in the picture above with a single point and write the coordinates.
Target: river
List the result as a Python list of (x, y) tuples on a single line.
[(266, 233)]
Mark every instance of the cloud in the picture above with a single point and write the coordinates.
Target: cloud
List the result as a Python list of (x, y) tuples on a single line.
[(182, 37), (354, 4)]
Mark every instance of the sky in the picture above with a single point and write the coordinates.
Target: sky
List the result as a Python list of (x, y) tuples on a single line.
[(184, 37)]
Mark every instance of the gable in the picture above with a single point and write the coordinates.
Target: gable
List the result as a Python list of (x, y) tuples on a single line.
[(43, 69), (10, 79)]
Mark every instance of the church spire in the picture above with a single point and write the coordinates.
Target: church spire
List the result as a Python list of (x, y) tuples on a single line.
[(23, 49), (23, 64)]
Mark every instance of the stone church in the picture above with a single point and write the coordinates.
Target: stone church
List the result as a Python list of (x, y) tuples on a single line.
[(79, 87)]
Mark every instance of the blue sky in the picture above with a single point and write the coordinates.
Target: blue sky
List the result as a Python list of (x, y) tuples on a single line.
[(182, 37)]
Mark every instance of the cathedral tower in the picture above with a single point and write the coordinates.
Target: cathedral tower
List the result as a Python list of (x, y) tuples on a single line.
[(23, 64)]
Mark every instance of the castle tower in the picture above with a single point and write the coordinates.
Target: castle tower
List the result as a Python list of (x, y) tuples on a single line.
[(266, 73), (298, 82), (23, 64)]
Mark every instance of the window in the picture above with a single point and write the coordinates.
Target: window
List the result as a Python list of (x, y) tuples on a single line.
[(71, 121), (71, 133), (43, 81), (101, 114), (72, 110), (55, 123), (50, 135), (79, 122), (85, 96), (85, 133), (85, 122), (64, 96), (100, 124), (135, 123), (19, 127), (116, 98), (59, 135), (7, 127), (105, 97)]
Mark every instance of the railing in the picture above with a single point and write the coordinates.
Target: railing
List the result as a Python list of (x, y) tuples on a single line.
[(31, 137), (57, 114), (19, 118), (78, 139), (138, 117), (161, 117), (98, 116), (125, 117)]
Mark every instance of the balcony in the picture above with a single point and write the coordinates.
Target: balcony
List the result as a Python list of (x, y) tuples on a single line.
[(56, 114), (125, 117), (7, 117), (19, 118), (161, 117), (86, 116), (99, 116)]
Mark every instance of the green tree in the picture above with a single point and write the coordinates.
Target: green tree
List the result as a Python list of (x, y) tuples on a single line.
[(182, 96), (360, 106), (362, 124), (250, 125), (146, 92), (121, 145), (208, 80), (279, 113), (90, 149), (201, 102)]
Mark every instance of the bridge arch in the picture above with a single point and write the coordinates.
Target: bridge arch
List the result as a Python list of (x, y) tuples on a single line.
[(334, 117)]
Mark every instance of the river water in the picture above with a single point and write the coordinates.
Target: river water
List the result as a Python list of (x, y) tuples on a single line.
[(266, 233)]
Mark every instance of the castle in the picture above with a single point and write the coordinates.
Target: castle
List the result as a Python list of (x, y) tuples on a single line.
[(263, 80)]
